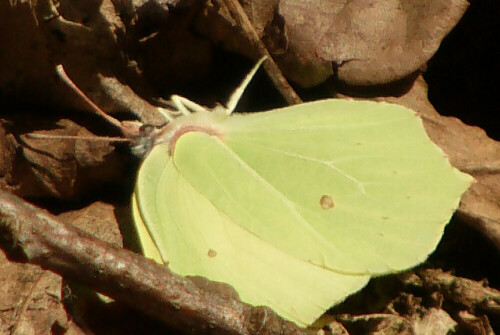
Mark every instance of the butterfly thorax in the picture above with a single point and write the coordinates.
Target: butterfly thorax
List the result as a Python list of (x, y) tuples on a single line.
[(209, 122)]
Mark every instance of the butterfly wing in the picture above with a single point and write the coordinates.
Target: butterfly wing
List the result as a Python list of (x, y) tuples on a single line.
[(296, 207), (353, 186), (194, 237)]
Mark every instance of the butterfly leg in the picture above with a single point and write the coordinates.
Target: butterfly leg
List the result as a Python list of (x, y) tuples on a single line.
[(184, 105), (167, 114)]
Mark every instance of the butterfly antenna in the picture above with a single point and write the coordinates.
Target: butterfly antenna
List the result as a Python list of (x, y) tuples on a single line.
[(238, 92), (65, 78), (73, 137)]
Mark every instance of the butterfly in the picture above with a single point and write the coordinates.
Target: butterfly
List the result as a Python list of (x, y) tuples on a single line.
[(297, 207)]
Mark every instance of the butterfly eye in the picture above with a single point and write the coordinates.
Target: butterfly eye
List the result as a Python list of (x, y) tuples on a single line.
[(146, 130), (143, 143)]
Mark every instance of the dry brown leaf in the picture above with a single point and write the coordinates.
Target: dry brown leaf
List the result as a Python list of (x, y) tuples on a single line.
[(7, 158), (91, 52), (371, 42), (433, 321), (98, 219), (376, 324), (260, 13), (31, 301), (475, 325), (62, 168), (465, 292), (66, 168)]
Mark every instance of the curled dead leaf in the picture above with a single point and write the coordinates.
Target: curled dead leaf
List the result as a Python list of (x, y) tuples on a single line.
[(65, 168), (369, 42)]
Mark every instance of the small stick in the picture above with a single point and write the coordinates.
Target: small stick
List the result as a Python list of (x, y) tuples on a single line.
[(40, 238), (270, 66)]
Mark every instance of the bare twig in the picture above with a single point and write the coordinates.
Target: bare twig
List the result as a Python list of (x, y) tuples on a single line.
[(39, 238), (270, 66)]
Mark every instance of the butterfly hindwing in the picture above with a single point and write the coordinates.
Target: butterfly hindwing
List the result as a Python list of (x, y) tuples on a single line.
[(195, 238)]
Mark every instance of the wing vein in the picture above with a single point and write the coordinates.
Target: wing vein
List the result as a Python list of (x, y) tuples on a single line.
[(284, 199), (359, 184)]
